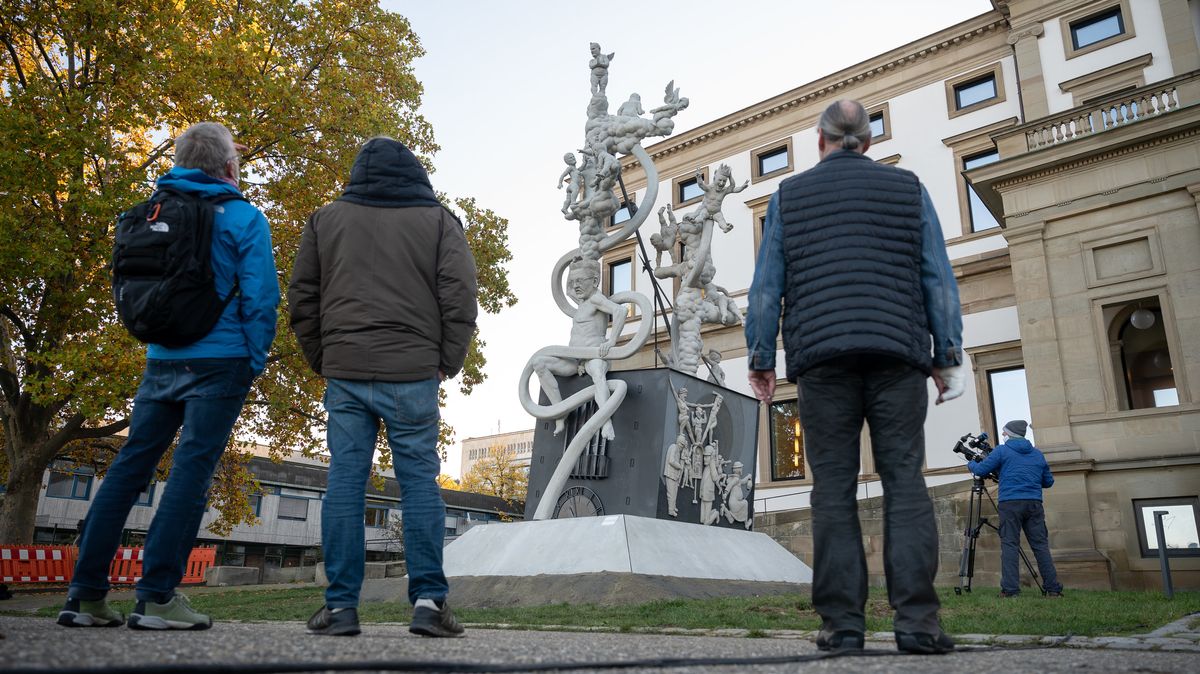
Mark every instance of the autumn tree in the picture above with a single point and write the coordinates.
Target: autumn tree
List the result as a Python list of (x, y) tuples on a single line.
[(93, 93), (496, 474)]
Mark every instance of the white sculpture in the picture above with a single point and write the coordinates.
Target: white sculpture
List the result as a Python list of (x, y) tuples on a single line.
[(716, 375), (699, 300), (591, 202), (599, 68), (573, 179)]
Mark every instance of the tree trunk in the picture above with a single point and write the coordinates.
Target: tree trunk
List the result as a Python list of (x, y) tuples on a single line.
[(18, 509)]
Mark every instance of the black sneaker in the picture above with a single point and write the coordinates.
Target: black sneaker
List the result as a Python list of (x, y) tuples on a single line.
[(840, 640), (921, 643), (431, 620), (344, 623)]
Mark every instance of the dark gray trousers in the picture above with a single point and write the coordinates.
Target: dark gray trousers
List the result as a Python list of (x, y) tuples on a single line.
[(1029, 515), (835, 397)]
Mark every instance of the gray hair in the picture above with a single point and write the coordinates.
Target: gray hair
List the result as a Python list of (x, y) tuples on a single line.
[(207, 146), (846, 123)]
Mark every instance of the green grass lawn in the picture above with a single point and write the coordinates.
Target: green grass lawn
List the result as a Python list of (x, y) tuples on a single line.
[(1081, 612)]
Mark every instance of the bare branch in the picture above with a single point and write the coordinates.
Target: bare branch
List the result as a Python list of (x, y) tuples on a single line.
[(7, 312), (12, 53), (96, 432)]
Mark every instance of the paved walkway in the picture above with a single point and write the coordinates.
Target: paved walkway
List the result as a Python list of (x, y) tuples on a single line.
[(37, 644)]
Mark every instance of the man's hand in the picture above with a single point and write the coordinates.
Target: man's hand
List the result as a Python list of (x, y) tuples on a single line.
[(762, 382), (950, 382)]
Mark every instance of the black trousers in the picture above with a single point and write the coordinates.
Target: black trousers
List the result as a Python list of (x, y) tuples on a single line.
[(1029, 515), (835, 397)]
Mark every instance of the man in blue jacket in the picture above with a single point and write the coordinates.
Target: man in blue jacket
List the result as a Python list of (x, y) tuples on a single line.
[(1023, 473), (200, 387)]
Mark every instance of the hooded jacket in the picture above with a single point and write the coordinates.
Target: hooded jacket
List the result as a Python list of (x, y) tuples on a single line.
[(241, 251), (384, 282), (1023, 470)]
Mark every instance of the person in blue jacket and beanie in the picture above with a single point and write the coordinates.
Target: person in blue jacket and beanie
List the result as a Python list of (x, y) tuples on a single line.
[(1023, 474), (200, 387)]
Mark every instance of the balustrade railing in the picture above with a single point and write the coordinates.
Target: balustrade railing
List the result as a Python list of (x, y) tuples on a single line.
[(1109, 113)]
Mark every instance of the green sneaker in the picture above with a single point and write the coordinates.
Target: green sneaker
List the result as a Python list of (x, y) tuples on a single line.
[(176, 614), (77, 613)]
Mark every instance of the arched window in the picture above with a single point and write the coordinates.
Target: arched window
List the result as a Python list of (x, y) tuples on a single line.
[(1138, 344)]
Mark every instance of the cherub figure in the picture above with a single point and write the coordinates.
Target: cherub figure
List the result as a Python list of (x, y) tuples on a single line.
[(667, 237), (573, 179), (599, 65), (632, 107), (715, 193), (588, 328)]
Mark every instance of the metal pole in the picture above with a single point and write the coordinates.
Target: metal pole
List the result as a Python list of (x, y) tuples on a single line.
[(1162, 552)]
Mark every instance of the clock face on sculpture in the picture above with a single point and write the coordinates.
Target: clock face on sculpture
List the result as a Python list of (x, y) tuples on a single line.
[(578, 502)]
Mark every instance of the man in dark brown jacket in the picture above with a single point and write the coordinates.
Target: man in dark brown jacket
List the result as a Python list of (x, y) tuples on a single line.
[(383, 303)]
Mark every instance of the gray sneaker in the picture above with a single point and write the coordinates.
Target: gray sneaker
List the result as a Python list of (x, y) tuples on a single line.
[(176, 614), (78, 613)]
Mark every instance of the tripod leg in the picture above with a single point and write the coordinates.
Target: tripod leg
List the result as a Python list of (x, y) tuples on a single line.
[(1032, 571)]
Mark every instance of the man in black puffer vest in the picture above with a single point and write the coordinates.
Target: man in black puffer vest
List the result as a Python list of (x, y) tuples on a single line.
[(854, 251)]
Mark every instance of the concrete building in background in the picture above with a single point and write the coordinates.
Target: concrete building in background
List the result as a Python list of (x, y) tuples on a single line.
[(1060, 143), (520, 443), (288, 532)]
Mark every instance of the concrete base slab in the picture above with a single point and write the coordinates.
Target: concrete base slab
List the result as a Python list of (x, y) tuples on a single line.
[(606, 589), (622, 544), (223, 576)]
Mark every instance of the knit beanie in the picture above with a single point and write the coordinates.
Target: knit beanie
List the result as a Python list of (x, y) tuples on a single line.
[(1016, 428)]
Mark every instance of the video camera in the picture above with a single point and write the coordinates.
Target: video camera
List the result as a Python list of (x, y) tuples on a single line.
[(973, 447)]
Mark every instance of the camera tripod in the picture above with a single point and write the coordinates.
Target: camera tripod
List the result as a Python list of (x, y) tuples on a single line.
[(976, 522)]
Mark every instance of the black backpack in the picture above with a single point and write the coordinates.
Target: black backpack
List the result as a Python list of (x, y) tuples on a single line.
[(162, 268)]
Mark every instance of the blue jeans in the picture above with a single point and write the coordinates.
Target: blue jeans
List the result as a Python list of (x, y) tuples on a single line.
[(1029, 515), (204, 396), (835, 397), (409, 411)]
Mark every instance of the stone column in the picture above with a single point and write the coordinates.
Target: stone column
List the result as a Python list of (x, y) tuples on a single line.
[(1181, 38), (1029, 69), (1044, 374)]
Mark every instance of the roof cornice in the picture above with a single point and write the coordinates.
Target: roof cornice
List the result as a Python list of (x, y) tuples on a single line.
[(883, 64)]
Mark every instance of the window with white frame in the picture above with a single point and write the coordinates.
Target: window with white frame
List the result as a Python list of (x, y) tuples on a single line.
[(787, 441)]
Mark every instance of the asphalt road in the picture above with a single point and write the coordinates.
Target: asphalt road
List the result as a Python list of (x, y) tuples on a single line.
[(37, 644)]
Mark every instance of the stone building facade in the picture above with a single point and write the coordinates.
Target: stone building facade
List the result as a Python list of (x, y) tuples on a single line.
[(1059, 142)]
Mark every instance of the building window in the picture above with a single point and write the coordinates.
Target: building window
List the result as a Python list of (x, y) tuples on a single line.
[(689, 190), (146, 498), (1008, 396), (787, 441), (881, 124), (978, 91), (256, 504), (981, 218), (623, 213), (376, 514), (1097, 28), (1179, 525), (293, 508), (1142, 356), (975, 90), (76, 486), (771, 160), (620, 276), (685, 189)]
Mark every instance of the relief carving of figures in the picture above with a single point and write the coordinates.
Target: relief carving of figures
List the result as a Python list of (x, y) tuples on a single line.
[(694, 461), (736, 506)]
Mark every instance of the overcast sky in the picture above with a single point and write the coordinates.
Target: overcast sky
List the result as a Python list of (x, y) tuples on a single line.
[(506, 85)]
